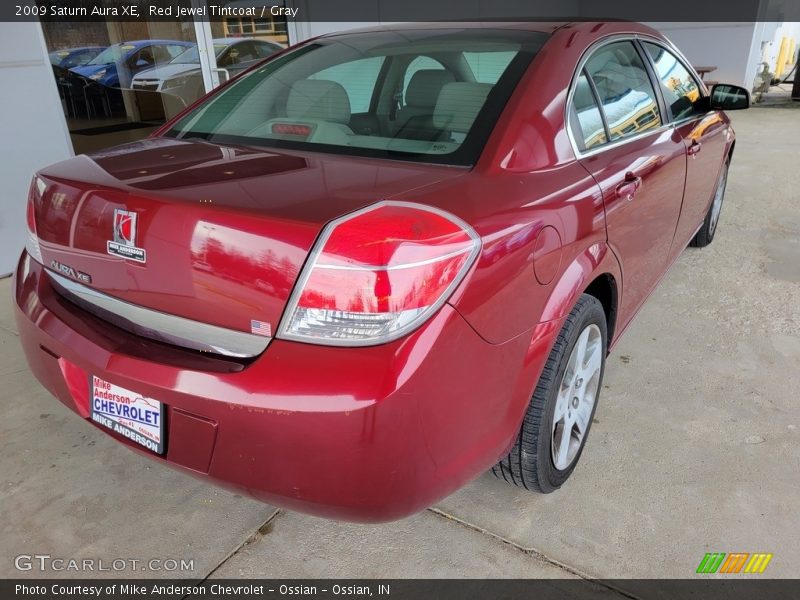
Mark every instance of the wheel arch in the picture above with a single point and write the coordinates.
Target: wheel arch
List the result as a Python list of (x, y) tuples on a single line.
[(595, 271), (604, 288)]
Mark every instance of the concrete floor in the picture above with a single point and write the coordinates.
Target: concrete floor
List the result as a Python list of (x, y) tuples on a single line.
[(696, 447)]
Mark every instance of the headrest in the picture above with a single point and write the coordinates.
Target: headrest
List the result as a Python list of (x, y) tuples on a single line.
[(425, 85), (459, 104), (318, 99)]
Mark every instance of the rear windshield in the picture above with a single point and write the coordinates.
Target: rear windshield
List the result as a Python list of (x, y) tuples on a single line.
[(424, 95)]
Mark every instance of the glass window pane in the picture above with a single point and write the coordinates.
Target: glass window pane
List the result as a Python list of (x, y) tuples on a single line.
[(247, 51), (418, 64), (680, 89), (625, 91), (358, 79), (175, 51), (233, 26), (488, 66), (320, 96), (585, 119), (264, 25)]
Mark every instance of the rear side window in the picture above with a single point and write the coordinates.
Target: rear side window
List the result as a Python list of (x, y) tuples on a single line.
[(681, 90), (265, 49), (626, 94), (357, 77), (586, 122)]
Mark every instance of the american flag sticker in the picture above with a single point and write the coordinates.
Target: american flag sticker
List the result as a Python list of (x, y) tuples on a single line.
[(261, 328)]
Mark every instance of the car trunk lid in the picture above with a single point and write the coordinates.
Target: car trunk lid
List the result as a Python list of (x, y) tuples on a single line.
[(214, 234)]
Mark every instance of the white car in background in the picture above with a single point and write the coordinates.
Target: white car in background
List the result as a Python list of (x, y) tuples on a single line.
[(182, 76)]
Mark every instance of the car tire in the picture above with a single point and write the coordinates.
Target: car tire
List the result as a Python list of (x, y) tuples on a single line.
[(706, 233), (539, 461)]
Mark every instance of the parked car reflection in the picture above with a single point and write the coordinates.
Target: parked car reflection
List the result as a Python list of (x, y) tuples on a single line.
[(182, 76), (116, 65), (82, 97), (74, 57)]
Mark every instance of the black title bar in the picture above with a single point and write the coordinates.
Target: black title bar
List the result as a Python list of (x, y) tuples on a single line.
[(403, 10)]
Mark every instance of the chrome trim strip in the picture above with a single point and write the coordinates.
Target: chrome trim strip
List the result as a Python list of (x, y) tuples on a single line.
[(160, 326)]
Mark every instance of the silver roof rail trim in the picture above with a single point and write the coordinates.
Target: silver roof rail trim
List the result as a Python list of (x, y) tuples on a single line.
[(160, 326)]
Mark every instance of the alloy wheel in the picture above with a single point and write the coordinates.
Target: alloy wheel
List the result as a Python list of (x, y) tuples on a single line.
[(576, 397)]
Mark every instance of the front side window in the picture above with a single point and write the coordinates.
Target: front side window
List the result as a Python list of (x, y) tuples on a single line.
[(112, 54), (681, 90), (626, 94), (173, 50), (145, 55), (161, 53), (237, 54), (315, 96), (191, 56)]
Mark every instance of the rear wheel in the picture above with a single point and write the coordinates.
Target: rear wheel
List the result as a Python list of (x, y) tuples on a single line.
[(706, 234), (560, 413)]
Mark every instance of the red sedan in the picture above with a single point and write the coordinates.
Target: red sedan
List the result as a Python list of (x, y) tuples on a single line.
[(379, 263)]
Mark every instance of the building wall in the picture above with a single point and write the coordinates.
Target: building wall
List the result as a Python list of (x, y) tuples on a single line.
[(772, 45), (728, 46), (33, 132), (737, 49)]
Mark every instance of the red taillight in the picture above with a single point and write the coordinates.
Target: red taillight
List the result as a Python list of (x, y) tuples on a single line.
[(31, 214), (379, 273), (32, 240)]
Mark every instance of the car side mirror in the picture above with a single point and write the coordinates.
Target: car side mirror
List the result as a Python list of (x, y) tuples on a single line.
[(725, 96), (142, 63)]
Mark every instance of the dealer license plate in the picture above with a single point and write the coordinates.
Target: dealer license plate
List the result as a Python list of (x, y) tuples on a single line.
[(136, 417)]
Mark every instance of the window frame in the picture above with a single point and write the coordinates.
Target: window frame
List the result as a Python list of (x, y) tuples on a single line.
[(666, 116), (596, 98)]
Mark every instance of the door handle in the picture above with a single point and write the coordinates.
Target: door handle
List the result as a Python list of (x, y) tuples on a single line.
[(627, 189), (694, 148)]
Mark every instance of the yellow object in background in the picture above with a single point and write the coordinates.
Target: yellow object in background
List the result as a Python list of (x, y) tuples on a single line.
[(783, 56)]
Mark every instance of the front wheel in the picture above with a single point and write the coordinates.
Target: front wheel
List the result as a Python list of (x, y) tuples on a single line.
[(559, 416), (706, 233)]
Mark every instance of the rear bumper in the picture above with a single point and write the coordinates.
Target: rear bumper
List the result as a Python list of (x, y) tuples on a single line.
[(363, 434)]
